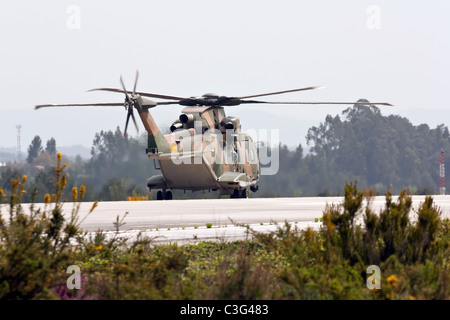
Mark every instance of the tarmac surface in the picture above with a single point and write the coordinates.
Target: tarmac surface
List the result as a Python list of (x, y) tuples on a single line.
[(214, 219)]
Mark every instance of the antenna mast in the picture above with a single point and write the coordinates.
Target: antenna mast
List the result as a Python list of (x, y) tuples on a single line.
[(442, 173), (19, 151)]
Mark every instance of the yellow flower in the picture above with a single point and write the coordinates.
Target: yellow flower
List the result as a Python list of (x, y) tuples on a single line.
[(100, 247), (74, 193), (94, 205), (82, 191), (63, 182), (58, 155), (15, 183), (24, 178), (47, 198), (392, 280)]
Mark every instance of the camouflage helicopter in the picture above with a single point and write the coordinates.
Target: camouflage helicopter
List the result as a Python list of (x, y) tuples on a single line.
[(205, 149)]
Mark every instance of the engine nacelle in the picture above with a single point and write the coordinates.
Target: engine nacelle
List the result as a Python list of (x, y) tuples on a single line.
[(176, 125), (186, 118), (231, 123)]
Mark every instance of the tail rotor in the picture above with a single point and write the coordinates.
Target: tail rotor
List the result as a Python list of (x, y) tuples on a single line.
[(129, 104)]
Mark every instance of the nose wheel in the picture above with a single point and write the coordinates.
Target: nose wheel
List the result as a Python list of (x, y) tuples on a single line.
[(164, 195)]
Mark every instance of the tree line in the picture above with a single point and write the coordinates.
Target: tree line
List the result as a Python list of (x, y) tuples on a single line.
[(118, 168), (360, 144)]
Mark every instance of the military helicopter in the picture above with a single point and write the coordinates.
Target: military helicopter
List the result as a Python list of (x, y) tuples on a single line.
[(205, 149)]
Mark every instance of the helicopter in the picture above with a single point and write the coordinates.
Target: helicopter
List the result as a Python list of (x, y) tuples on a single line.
[(205, 149)]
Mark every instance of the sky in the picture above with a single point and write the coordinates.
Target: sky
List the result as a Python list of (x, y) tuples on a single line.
[(54, 51)]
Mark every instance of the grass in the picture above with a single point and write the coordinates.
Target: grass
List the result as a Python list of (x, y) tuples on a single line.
[(36, 251)]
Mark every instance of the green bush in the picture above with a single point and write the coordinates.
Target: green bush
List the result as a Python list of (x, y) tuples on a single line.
[(35, 248), (331, 263)]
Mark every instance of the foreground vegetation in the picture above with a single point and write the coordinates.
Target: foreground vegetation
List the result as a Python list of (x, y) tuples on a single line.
[(412, 253)]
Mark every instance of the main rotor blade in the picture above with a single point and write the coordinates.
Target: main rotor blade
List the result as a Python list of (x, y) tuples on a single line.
[(106, 104), (289, 102), (144, 94), (166, 102), (280, 92), (80, 105)]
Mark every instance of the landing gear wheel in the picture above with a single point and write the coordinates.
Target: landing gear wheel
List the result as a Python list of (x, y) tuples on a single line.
[(164, 195), (239, 193), (236, 194)]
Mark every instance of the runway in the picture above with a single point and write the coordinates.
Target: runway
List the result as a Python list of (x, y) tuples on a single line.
[(195, 220)]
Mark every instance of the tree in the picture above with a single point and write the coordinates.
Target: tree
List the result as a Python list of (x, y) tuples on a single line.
[(115, 156), (51, 147), (7, 175), (34, 149)]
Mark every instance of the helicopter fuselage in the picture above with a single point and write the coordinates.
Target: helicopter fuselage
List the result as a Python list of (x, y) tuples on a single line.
[(205, 150)]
